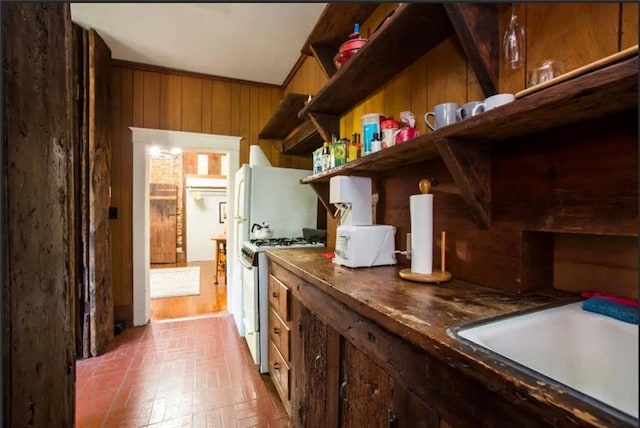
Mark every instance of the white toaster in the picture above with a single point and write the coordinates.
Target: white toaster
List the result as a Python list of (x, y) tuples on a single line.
[(365, 246)]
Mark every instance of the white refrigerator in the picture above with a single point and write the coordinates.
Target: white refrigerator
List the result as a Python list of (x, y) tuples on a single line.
[(274, 196)]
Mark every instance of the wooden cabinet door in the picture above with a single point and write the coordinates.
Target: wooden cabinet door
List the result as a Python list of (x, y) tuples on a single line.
[(370, 397), (365, 391), (315, 355), (410, 412)]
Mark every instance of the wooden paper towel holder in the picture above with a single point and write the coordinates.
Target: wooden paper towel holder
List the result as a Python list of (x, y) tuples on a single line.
[(435, 276)]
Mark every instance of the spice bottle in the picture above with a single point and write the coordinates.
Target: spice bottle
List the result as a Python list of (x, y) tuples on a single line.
[(326, 156), (353, 148)]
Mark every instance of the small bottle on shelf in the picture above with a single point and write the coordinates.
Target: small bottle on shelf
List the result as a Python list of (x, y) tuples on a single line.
[(353, 148), (326, 156)]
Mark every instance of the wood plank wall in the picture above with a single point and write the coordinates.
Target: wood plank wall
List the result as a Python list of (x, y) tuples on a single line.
[(153, 97), (309, 79), (577, 33)]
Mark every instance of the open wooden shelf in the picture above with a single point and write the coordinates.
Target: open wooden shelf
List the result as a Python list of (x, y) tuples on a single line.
[(336, 23), (332, 29), (304, 140), (464, 146), (413, 30), (417, 150), (300, 136), (311, 134), (285, 118)]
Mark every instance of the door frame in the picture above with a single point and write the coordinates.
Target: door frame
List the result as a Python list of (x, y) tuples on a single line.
[(143, 139)]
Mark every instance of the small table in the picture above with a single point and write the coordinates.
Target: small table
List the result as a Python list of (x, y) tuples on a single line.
[(220, 254)]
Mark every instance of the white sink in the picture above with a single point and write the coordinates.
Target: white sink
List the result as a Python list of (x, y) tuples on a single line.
[(591, 353)]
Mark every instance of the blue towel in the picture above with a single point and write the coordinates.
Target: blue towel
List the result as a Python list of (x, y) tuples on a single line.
[(611, 309)]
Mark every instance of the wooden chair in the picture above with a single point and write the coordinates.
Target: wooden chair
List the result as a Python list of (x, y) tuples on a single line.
[(220, 255)]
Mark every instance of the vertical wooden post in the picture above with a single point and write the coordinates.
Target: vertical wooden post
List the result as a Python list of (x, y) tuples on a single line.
[(100, 288), (37, 227)]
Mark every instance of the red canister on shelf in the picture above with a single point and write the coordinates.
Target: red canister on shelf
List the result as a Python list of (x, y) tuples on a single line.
[(389, 129)]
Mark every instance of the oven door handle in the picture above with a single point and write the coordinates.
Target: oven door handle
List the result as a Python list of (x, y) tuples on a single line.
[(245, 263)]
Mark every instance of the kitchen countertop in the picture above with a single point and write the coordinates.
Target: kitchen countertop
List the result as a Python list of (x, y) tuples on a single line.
[(423, 313)]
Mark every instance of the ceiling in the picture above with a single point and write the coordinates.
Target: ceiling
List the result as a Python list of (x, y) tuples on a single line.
[(259, 42)]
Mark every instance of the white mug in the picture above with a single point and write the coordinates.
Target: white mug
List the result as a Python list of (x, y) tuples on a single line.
[(443, 114), (466, 110), (493, 102)]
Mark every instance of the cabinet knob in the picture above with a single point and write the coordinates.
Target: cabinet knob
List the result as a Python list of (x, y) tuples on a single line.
[(274, 295), (276, 330), (276, 366)]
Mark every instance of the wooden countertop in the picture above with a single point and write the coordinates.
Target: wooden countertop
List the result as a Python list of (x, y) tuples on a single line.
[(423, 313)]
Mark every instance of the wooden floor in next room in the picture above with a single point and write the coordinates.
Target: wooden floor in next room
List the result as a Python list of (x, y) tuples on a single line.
[(211, 300)]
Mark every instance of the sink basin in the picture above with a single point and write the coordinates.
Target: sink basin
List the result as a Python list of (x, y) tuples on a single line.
[(591, 353)]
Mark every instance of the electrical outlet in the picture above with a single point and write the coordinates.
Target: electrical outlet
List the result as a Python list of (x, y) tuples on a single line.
[(408, 247)]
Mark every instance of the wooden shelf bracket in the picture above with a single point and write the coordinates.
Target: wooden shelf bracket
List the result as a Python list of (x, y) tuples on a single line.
[(476, 26), (326, 124), (470, 166), (324, 55), (322, 190), (303, 140)]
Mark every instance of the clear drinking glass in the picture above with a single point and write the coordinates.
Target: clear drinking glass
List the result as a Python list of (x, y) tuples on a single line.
[(545, 70), (514, 42)]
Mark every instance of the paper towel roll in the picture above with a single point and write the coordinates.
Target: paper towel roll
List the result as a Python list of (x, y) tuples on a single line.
[(421, 208)]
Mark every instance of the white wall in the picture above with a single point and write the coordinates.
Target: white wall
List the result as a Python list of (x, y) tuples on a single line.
[(202, 210)]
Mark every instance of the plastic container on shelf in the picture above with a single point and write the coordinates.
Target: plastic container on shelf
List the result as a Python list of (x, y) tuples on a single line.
[(376, 143), (370, 126), (318, 160), (339, 149)]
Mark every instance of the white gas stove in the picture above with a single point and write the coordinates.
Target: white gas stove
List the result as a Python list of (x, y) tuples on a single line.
[(255, 289), (251, 248)]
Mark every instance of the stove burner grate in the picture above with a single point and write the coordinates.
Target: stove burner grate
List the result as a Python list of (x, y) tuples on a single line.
[(284, 242)]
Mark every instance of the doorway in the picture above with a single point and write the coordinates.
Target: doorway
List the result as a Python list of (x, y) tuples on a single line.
[(143, 140), (186, 190)]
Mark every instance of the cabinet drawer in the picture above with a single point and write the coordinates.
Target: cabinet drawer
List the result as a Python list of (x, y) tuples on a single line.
[(279, 333), (279, 297), (279, 370)]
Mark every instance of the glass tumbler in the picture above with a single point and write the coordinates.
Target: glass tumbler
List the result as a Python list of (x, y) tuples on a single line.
[(544, 71)]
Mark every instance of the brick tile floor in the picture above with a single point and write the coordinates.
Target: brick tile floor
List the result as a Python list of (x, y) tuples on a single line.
[(186, 373)]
